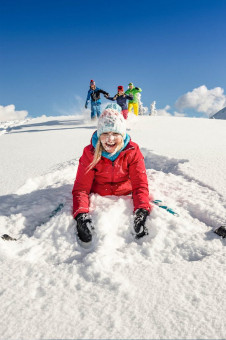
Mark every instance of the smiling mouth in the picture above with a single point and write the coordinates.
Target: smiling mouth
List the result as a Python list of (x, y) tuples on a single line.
[(110, 145)]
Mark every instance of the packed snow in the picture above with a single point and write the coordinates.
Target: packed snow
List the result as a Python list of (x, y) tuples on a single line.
[(170, 285)]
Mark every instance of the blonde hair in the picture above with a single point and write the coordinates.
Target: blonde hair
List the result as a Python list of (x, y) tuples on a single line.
[(98, 152)]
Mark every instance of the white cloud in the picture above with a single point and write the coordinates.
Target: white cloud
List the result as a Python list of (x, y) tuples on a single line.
[(9, 113), (164, 112), (203, 100)]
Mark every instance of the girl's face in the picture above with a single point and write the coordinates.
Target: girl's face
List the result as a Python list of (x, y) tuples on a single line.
[(120, 93), (110, 141)]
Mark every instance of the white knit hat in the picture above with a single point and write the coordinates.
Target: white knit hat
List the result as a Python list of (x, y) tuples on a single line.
[(111, 120)]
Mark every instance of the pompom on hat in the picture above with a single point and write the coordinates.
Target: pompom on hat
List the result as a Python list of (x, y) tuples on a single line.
[(111, 120), (120, 88)]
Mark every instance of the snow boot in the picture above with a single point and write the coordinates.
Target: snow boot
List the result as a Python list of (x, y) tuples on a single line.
[(221, 231), (84, 227), (139, 223)]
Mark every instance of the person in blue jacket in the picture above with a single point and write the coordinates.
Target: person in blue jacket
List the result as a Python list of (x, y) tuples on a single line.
[(94, 94), (121, 99)]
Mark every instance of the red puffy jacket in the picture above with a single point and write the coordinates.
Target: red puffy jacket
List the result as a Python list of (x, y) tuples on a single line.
[(126, 175)]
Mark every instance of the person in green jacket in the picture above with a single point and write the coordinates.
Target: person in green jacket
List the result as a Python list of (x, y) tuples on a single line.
[(134, 102)]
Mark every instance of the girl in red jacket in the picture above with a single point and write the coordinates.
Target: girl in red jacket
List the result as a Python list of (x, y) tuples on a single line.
[(111, 165)]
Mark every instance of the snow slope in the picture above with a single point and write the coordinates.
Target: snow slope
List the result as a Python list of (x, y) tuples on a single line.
[(170, 285)]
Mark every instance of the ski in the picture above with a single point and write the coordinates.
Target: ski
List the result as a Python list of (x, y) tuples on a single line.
[(7, 237), (160, 204), (55, 211)]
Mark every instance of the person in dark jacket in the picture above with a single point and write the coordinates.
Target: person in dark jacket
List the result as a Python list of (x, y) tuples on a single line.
[(121, 99), (111, 165), (94, 94)]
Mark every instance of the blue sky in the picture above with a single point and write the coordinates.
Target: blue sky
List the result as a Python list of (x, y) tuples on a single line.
[(49, 50)]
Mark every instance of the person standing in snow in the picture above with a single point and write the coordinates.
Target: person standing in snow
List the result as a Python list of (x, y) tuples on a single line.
[(134, 103), (121, 99), (94, 94), (111, 165)]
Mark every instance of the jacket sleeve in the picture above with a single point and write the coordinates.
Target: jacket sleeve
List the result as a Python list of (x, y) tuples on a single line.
[(129, 96), (137, 91), (83, 184), (88, 96), (139, 181), (110, 98), (102, 91)]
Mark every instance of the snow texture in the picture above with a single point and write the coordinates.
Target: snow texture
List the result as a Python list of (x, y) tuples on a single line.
[(170, 285)]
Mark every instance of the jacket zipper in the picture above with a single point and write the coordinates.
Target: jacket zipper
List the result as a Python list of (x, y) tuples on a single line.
[(112, 176)]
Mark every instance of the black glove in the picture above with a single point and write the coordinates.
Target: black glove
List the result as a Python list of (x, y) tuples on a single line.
[(221, 231), (84, 227), (106, 95), (139, 223), (137, 88), (86, 106)]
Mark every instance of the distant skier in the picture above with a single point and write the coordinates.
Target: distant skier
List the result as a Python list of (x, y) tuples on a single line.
[(134, 103), (121, 99), (111, 165), (94, 94)]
